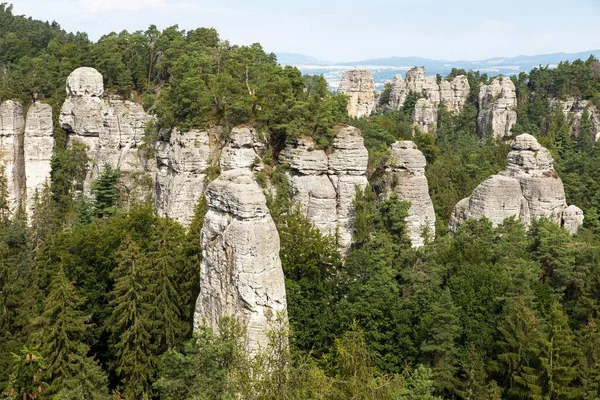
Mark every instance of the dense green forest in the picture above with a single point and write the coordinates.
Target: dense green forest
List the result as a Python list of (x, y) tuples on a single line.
[(96, 299)]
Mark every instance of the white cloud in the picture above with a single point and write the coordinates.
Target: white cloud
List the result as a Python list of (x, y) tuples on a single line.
[(96, 6)]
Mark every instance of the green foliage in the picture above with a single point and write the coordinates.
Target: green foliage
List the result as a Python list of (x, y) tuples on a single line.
[(26, 377), (105, 191)]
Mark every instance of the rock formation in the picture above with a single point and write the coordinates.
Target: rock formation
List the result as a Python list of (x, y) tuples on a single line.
[(573, 110), (325, 184), (12, 127), (497, 108), (359, 86), (452, 93), (529, 188), (112, 129), (182, 159), (403, 173), (241, 150), (241, 272), (38, 150), (425, 115)]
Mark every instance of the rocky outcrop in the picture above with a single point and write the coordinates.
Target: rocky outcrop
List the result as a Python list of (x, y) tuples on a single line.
[(112, 128), (573, 109), (241, 272), (12, 127), (403, 173), (425, 116), (497, 108), (529, 188), (38, 150), (325, 184), (359, 86), (453, 94)]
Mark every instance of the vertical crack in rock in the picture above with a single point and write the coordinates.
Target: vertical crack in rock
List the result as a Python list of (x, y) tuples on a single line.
[(529, 188), (241, 272)]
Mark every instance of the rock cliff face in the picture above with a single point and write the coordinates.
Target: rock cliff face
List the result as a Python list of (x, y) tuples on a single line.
[(325, 184), (403, 173), (12, 127), (452, 93), (529, 188), (112, 129), (573, 110), (241, 150), (182, 159), (241, 271), (497, 108), (38, 150), (359, 86)]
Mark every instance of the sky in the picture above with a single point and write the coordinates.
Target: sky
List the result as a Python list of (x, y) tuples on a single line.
[(348, 30)]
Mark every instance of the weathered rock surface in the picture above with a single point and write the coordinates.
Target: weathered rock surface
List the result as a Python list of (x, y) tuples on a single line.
[(497, 108), (425, 116), (12, 127), (572, 219), (325, 184), (241, 272), (182, 159), (529, 188), (241, 150), (38, 150), (112, 129), (573, 110), (403, 173), (359, 86)]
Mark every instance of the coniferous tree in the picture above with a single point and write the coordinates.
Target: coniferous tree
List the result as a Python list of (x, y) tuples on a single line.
[(439, 347), (70, 371), (559, 357), (105, 191), (589, 346), (131, 322), (518, 353)]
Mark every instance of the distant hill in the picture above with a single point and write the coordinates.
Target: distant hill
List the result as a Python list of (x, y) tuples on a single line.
[(385, 69)]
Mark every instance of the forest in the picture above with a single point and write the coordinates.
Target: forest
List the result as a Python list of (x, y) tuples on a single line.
[(97, 296)]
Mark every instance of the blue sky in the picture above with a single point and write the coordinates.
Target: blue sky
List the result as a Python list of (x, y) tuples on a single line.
[(349, 30)]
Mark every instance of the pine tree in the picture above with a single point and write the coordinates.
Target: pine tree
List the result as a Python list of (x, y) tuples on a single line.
[(439, 347), (26, 382), (131, 322), (589, 346), (69, 369), (559, 357)]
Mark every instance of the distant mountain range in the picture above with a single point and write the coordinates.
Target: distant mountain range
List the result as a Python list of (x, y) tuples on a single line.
[(385, 69)]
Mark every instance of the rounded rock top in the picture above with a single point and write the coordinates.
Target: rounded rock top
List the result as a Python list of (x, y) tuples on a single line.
[(85, 81), (526, 141)]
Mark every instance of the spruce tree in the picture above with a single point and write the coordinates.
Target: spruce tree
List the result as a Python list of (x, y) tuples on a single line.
[(439, 347), (105, 191), (589, 346), (131, 322), (70, 371), (518, 353), (559, 357)]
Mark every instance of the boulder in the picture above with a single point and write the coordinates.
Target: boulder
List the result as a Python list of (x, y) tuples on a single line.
[(497, 108), (572, 219), (359, 86), (241, 274)]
